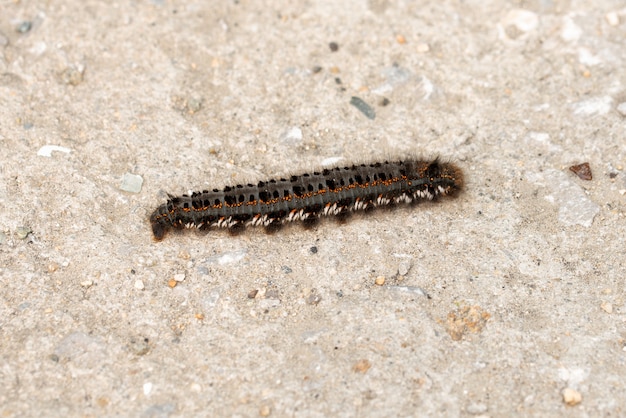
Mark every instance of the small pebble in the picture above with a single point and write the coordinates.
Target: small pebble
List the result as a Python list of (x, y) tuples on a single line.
[(422, 47), (409, 289), (227, 257), (607, 307), (131, 183), (313, 299), (46, 150), (22, 232), (260, 293), (52, 267), (570, 31), (612, 18), (199, 316), (139, 285), (621, 108), (72, 75), (24, 27), (252, 294), (334, 47), (400, 39), (86, 283), (316, 69), (363, 107), (362, 366), (172, 283), (194, 104), (313, 250), (523, 20), (588, 58), (404, 268), (189, 105), (140, 346), (380, 280), (593, 106), (179, 277), (583, 171), (571, 397), (4, 41), (292, 136), (265, 411)]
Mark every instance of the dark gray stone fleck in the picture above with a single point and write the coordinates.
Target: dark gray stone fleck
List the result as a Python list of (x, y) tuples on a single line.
[(366, 109)]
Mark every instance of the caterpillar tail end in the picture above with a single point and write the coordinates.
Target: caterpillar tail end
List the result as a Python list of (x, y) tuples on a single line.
[(158, 231)]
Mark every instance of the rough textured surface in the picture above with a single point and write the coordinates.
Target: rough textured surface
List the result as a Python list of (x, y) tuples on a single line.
[(497, 303)]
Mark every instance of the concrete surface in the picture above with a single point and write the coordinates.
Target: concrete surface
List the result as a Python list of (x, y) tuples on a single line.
[(507, 301)]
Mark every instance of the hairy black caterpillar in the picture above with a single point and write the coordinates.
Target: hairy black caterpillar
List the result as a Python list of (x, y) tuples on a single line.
[(306, 197)]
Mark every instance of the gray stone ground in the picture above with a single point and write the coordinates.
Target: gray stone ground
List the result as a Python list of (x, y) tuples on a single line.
[(508, 301)]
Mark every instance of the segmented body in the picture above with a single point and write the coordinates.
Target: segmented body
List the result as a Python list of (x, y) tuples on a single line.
[(306, 197)]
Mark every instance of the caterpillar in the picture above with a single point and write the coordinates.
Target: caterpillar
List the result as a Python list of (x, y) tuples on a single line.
[(306, 197)]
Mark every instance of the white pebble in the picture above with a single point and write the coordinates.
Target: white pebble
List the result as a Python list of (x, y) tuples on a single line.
[(524, 20), (292, 135), (179, 277), (621, 108), (422, 47), (593, 106), (139, 285), (427, 87), (227, 258), (570, 31), (147, 388), (403, 268), (586, 57), (542, 137), (612, 18), (131, 183), (46, 150)]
